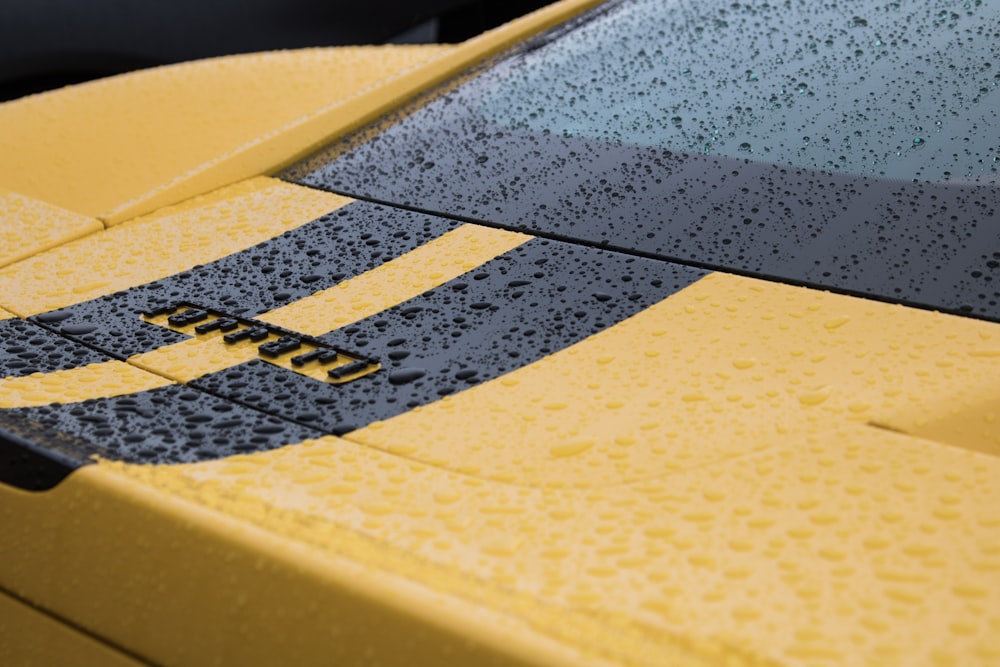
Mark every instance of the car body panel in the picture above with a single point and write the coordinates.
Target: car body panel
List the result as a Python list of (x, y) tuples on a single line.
[(30, 637), (89, 148), (95, 147), (168, 242), (783, 387), (680, 466), (31, 226)]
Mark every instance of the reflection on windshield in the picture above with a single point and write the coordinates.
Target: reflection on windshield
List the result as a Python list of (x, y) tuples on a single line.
[(904, 90)]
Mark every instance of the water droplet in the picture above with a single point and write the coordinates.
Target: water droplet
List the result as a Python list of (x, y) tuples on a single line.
[(815, 397), (570, 449), (55, 316), (406, 375), (78, 329), (836, 323)]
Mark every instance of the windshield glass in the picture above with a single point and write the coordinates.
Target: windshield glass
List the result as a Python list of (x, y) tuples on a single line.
[(903, 90), (851, 147)]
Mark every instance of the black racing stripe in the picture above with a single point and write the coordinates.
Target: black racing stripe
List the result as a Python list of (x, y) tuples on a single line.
[(173, 424), (513, 310), (27, 348), (300, 262)]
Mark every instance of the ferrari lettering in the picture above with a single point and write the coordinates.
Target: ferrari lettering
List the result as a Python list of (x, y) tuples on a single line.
[(276, 345)]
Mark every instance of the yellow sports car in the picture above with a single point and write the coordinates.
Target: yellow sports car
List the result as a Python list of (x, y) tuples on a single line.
[(634, 333)]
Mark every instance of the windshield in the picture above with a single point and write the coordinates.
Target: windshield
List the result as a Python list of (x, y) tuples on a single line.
[(904, 90), (851, 147)]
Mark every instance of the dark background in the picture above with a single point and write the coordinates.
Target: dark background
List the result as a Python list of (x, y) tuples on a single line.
[(47, 44)]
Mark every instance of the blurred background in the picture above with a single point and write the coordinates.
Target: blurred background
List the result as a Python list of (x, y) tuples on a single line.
[(47, 44)]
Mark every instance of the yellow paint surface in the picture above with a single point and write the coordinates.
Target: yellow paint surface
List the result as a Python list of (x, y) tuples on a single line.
[(29, 637), (208, 353), (695, 486), (169, 241), (723, 369), (106, 379), (93, 147), (199, 231), (854, 546), (122, 557), (268, 153), (28, 226), (967, 415), (4, 315), (405, 277), (128, 145), (194, 357), (759, 521)]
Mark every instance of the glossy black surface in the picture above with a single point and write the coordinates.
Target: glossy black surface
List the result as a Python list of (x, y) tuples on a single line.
[(513, 310), (533, 301), (172, 424), (713, 136), (27, 348), (33, 458), (41, 445)]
